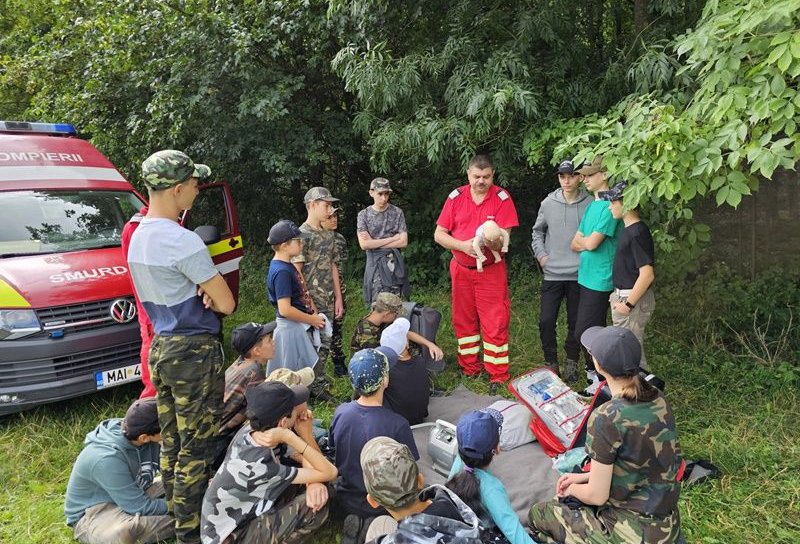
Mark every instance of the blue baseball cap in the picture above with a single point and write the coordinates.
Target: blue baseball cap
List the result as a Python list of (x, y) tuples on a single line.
[(478, 432), (283, 231), (368, 368), (566, 167)]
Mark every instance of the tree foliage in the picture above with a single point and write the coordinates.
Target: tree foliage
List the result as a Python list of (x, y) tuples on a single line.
[(729, 119), (246, 87)]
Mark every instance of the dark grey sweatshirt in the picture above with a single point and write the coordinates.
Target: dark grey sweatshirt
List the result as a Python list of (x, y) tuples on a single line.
[(556, 225)]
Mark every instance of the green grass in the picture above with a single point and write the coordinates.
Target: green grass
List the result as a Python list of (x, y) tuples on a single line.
[(748, 430)]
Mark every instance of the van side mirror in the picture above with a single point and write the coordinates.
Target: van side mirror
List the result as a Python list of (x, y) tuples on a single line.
[(209, 234)]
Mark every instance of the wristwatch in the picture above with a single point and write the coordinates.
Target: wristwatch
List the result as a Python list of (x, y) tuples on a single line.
[(629, 305)]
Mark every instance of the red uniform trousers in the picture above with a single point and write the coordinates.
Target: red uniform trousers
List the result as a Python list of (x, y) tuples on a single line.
[(147, 333), (481, 308)]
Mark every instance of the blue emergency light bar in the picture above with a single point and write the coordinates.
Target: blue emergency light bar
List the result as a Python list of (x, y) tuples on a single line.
[(59, 129)]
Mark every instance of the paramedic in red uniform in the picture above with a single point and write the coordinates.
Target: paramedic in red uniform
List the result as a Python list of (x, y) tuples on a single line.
[(145, 326), (481, 302)]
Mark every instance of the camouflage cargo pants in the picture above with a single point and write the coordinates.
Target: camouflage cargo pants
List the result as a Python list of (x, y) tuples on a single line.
[(555, 523), (337, 351), (187, 372), (321, 380), (287, 524)]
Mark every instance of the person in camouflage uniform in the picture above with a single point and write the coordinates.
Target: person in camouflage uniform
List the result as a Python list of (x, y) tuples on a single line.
[(631, 492), (257, 496), (386, 308), (182, 292), (318, 265), (393, 481), (337, 352)]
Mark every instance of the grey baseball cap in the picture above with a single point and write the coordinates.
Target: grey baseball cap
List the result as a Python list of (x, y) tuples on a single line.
[(616, 349)]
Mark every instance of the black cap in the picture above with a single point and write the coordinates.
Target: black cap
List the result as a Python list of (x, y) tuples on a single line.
[(565, 167), (616, 349), (141, 418), (267, 402), (283, 231), (615, 193), (244, 337)]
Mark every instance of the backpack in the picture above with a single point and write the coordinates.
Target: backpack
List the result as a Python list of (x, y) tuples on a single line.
[(424, 528), (425, 321), (559, 413)]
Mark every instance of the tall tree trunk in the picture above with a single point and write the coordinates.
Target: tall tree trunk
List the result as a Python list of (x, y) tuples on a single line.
[(639, 16)]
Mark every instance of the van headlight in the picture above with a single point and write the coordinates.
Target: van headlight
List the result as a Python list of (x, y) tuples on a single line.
[(18, 323)]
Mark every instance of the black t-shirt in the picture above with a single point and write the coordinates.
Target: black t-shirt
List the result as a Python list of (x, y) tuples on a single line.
[(634, 250), (409, 390)]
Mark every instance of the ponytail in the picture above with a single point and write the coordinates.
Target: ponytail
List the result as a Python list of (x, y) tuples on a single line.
[(466, 485), (636, 389)]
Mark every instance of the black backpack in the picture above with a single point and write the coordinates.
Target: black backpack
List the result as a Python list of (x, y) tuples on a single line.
[(425, 322)]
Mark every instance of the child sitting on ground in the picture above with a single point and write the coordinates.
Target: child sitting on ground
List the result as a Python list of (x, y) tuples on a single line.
[(386, 308), (478, 436), (490, 235), (409, 388), (354, 424)]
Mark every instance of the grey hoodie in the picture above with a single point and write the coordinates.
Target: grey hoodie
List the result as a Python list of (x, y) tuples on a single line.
[(556, 225), (111, 469)]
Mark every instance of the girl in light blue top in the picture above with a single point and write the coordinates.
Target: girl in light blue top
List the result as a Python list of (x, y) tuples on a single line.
[(478, 434)]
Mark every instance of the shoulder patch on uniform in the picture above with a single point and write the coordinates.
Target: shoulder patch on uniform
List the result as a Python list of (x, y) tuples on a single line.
[(502, 194), (454, 194)]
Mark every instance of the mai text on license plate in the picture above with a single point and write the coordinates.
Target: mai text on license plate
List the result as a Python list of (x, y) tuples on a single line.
[(109, 378)]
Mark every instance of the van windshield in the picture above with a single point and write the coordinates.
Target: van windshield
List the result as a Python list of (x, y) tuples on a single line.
[(38, 222)]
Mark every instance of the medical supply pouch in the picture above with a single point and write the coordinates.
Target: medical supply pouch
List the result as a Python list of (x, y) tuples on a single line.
[(559, 413)]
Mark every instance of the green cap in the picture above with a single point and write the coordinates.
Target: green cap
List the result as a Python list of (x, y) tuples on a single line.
[(595, 167), (388, 302), (390, 472), (168, 167), (319, 193)]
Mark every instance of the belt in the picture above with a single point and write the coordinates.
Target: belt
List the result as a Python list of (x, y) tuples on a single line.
[(623, 293)]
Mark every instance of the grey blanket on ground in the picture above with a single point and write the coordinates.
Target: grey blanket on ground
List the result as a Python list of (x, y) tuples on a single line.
[(526, 471)]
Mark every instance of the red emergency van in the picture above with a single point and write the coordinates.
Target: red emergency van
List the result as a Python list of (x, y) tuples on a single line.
[(68, 322)]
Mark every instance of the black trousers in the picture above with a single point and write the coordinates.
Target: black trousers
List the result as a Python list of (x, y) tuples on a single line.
[(552, 293), (592, 312)]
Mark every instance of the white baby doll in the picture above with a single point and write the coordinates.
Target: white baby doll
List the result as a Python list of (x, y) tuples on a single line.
[(489, 235)]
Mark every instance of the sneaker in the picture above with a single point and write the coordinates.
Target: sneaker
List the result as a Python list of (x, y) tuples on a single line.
[(553, 365), (570, 371), (350, 529), (591, 390)]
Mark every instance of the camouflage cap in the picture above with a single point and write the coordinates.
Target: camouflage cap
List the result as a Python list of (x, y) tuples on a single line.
[(319, 193), (381, 185), (168, 167), (615, 193), (388, 302), (391, 474), (595, 167), (304, 376)]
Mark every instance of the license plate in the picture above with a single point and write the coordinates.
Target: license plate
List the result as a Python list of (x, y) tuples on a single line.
[(110, 378)]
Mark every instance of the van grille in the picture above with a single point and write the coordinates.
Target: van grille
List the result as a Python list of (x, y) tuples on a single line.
[(78, 317), (69, 366)]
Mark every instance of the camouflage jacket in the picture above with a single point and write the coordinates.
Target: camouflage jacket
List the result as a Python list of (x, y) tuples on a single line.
[(318, 257), (366, 335), (639, 439), (238, 377), (247, 484)]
